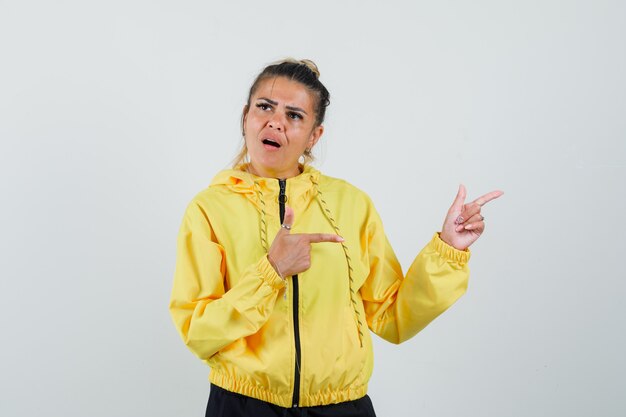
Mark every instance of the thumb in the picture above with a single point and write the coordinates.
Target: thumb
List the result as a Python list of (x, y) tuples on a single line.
[(288, 219), (457, 205)]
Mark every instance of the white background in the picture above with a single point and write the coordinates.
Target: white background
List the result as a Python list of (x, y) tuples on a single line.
[(114, 114)]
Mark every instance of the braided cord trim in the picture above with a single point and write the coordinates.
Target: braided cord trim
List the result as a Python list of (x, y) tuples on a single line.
[(263, 232), (263, 227), (333, 223)]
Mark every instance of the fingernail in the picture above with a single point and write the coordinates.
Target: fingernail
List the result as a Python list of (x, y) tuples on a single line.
[(340, 239), (469, 226), (459, 228), (459, 220)]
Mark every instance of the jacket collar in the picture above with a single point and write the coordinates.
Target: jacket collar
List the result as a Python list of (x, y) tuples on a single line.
[(239, 180)]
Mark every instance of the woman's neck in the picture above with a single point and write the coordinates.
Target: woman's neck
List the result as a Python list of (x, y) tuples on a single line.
[(289, 173)]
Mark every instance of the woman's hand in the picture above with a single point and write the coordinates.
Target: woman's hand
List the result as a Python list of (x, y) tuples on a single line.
[(464, 224), (290, 254)]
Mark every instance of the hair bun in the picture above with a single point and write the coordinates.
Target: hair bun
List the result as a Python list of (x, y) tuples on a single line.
[(311, 65), (306, 62)]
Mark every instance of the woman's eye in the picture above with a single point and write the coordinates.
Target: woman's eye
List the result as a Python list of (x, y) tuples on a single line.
[(263, 106), (295, 116)]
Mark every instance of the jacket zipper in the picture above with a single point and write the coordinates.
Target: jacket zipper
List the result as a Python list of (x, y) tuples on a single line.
[(282, 198)]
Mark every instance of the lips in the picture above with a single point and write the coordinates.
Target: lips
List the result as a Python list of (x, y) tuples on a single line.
[(271, 142)]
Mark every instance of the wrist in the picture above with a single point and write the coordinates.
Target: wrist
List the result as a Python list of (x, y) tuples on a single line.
[(276, 268), (446, 239), (449, 252)]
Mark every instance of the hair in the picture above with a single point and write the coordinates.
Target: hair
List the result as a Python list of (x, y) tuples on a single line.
[(303, 71)]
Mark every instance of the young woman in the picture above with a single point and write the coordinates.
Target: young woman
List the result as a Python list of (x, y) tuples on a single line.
[(282, 271)]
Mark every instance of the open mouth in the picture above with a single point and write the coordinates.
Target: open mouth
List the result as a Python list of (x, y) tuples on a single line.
[(271, 143)]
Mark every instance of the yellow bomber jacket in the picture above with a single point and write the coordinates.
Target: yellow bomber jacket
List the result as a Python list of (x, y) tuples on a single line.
[(235, 312)]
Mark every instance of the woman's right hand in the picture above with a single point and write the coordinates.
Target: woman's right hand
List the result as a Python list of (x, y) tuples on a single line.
[(290, 253)]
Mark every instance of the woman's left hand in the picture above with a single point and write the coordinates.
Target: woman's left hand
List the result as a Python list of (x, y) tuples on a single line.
[(464, 224)]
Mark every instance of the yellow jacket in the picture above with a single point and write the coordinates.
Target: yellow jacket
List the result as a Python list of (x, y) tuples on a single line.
[(235, 313)]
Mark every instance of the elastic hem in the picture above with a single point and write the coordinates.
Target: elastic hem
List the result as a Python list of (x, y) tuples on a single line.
[(350, 393), (449, 252), (244, 387), (268, 274)]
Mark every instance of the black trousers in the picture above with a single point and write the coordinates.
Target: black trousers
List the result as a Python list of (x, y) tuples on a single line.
[(223, 403)]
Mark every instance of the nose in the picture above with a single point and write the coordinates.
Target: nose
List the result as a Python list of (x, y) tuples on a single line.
[(275, 123)]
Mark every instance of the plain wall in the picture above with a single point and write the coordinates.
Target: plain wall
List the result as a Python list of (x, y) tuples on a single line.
[(114, 114)]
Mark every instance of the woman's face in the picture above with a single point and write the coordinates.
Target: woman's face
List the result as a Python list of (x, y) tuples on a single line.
[(279, 126)]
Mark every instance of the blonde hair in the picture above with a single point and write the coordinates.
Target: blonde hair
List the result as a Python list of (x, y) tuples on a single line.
[(303, 71)]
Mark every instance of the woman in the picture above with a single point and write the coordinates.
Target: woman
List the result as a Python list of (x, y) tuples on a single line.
[(281, 270)]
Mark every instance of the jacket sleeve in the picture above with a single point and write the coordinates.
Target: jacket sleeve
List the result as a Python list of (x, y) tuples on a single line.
[(398, 307), (207, 317)]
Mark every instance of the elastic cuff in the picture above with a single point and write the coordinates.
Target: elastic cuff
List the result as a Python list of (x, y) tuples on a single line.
[(449, 252), (268, 274)]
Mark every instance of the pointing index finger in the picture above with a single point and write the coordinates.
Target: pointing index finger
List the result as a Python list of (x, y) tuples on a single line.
[(323, 237), (482, 200)]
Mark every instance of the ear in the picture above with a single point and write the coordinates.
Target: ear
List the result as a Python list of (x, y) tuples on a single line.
[(316, 134)]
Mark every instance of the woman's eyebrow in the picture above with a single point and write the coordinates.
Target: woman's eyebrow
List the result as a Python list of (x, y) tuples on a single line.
[(274, 103), (295, 109)]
